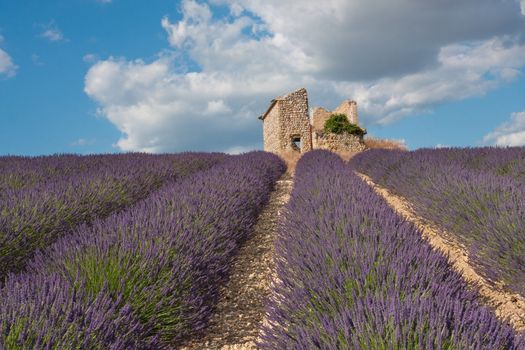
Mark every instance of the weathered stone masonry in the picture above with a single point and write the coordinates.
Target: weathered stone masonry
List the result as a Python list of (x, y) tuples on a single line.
[(286, 126), (338, 143)]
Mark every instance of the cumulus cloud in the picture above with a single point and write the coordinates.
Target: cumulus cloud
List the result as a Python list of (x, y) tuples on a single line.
[(462, 71), (394, 57), (217, 107), (381, 38), (52, 32), (7, 67), (224, 45), (157, 109), (510, 133)]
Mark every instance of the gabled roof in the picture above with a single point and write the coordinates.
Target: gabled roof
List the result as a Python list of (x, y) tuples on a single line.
[(261, 117), (275, 100)]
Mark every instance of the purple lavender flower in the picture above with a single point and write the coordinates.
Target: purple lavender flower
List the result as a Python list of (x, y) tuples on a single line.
[(356, 276)]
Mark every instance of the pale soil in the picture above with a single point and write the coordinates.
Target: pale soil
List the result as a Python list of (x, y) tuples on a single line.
[(507, 306), (236, 321), (291, 158)]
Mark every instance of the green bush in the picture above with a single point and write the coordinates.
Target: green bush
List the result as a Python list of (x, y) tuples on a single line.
[(339, 124)]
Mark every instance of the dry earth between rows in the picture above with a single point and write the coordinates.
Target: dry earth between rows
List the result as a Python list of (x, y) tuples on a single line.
[(237, 318), (507, 306)]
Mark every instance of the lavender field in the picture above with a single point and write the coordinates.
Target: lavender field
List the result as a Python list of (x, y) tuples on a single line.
[(146, 276), (44, 198), (477, 194), (130, 251), (357, 276)]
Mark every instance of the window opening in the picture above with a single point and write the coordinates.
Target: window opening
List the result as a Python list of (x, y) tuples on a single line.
[(296, 142)]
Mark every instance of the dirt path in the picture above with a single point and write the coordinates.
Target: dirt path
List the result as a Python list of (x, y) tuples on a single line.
[(236, 321), (506, 305)]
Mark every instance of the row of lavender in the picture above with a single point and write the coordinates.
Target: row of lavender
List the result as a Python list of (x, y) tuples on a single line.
[(145, 278), (354, 275), (32, 217), (20, 175), (478, 195), (21, 172)]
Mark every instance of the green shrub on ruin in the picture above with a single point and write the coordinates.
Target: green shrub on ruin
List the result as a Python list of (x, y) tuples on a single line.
[(339, 124)]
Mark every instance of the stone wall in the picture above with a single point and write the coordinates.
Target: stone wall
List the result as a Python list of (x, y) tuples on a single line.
[(293, 110), (320, 116), (338, 142), (287, 119), (272, 130), (349, 108)]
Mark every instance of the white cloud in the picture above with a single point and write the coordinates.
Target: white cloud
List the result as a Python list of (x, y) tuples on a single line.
[(217, 107), (352, 40), (240, 149), (522, 3), (223, 72), (90, 58), (7, 67), (52, 32), (158, 109), (510, 133), (224, 46), (463, 71)]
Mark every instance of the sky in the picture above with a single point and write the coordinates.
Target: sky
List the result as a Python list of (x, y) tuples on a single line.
[(105, 76)]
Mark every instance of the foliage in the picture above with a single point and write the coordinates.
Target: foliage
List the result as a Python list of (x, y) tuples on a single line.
[(146, 277), (47, 312), (478, 195), (354, 275), (339, 124), (45, 198)]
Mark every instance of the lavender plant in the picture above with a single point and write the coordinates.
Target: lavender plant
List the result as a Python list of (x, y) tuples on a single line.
[(32, 217), (354, 275), (46, 312), (476, 194), (159, 263), (20, 172)]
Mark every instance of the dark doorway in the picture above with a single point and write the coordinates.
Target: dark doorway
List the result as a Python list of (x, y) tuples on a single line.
[(296, 142)]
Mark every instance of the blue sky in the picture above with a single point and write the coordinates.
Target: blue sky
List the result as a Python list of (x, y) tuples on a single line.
[(43, 109), (88, 76)]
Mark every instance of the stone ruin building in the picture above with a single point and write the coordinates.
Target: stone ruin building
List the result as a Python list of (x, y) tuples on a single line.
[(287, 126)]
